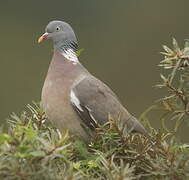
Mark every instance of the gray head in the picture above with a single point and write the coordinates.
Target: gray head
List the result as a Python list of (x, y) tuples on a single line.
[(62, 35)]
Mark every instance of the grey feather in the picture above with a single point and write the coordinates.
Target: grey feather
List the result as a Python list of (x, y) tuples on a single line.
[(102, 102)]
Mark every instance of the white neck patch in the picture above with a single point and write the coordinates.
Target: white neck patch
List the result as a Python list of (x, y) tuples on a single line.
[(70, 55)]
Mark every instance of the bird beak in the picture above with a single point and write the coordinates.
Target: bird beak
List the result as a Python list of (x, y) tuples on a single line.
[(43, 37)]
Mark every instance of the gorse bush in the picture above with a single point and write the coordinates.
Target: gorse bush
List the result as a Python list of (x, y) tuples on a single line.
[(32, 148), (176, 102)]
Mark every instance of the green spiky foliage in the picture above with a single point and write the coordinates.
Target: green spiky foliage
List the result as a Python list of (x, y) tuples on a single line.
[(32, 148)]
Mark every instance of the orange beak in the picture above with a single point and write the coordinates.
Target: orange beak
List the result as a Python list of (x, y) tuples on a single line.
[(43, 37)]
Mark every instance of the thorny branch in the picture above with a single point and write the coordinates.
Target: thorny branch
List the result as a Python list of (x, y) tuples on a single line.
[(176, 60)]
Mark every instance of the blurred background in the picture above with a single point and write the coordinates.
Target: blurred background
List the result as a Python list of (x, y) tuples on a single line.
[(122, 40)]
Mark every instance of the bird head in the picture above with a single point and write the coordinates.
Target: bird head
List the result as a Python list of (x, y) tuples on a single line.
[(61, 34)]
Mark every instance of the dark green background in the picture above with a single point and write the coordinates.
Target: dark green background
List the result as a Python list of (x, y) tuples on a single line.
[(122, 40)]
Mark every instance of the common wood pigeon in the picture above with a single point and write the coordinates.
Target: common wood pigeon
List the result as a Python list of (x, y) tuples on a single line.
[(74, 99)]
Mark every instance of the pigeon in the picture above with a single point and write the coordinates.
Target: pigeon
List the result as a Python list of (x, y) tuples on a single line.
[(72, 98)]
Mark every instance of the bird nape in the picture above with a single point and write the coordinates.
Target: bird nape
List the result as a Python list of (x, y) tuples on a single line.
[(73, 98)]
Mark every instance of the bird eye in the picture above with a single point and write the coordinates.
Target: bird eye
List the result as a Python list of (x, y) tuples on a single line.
[(57, 28)]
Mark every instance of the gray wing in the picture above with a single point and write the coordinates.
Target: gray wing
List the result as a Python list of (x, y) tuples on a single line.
[(94, 102)]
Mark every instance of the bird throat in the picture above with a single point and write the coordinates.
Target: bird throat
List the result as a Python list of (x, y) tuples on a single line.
[(70, 55), (68, 50)]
